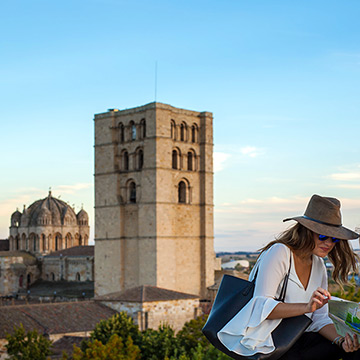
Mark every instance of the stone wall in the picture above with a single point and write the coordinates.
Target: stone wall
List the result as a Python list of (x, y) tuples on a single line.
[(152, 314), (69, 268), (17, 272)]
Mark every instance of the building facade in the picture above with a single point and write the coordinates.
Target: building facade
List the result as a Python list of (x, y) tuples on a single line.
[(154, 199), (48, 225), (72, 264)]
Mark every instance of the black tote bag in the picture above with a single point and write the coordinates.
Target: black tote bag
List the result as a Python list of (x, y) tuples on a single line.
[(233, 294)]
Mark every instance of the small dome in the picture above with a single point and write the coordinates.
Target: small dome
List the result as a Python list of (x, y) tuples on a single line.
[(82, 217), (16, 218)]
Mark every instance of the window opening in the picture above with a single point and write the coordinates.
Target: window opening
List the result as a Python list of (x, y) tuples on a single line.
[(193, 133), (173, 130), (174, 159), (122, 133), (182, 132), (190, 161), (132, 193), (143, 128), (133, 131), (126, 160), (182, 192), (141, 159)]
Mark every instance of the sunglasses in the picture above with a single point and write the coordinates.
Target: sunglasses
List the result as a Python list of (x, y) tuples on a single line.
[(324, 237)]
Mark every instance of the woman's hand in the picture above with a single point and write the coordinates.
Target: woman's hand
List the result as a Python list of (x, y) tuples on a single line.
[(319, 298), (350, 344)]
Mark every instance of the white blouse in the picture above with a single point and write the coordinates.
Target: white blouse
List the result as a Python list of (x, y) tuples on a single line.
[(249, 332)]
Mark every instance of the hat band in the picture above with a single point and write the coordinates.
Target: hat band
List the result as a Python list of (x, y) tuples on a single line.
[(320, 222)]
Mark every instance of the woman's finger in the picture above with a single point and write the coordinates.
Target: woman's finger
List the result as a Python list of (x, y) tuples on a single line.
[(356, 342), (349, 343)]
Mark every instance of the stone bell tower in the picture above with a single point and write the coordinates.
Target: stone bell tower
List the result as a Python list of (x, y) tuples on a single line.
[(154, 199)]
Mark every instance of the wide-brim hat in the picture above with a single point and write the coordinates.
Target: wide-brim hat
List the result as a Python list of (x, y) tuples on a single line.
[(323, 216)]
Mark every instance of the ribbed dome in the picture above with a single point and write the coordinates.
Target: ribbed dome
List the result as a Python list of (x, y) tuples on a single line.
[(49, 211)]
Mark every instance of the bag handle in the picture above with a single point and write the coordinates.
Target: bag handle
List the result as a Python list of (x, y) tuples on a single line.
[(284, 286)]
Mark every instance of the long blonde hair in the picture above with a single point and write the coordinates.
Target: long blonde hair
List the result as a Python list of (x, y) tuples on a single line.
[(301, 241)]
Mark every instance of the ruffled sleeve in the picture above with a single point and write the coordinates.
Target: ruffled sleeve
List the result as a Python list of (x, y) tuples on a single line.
[(249, 331)]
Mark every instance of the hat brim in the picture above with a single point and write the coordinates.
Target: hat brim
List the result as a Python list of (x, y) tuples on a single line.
[(339, 232)]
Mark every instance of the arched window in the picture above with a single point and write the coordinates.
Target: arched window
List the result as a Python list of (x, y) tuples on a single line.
[(143, 128), (126, 160), (52, 276), (182, 192), (175, 159), (78, 277), (43, 240), (173, 130), (190, 161), (80, 240), (57, 242), (132, 190), (17, 242), (23, 242), (140, 159), (34, 244), (194, 133), (133, 130), (182, 132), (68, 242), (121, 132)]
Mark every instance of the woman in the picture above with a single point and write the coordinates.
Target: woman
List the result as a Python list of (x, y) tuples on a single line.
[(317, 234)]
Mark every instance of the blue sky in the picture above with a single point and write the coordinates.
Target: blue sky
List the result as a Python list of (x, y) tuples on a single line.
[(281, 78)]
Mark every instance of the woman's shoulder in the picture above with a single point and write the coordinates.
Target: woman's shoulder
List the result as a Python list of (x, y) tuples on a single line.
[(277, 252), (279, 249)]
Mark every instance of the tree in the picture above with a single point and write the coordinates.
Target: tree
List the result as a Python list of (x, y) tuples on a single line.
[(120, 324), (27, 346), (192, 340), (158, 344), (114, 349), (191, 335)]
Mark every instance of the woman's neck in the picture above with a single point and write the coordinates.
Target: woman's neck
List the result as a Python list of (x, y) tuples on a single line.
[(303, 257)]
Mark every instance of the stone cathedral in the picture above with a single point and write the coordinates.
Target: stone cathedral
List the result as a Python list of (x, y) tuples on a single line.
[(154, 200)]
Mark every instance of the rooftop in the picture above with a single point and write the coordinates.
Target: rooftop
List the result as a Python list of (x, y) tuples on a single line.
[(146, 293), (74, 251), (56, 318)]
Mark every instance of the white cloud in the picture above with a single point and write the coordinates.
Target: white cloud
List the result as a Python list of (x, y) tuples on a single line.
[(71, 189), (347, 173), (219, 160), (348, 186), (350, 176), (250, 151)]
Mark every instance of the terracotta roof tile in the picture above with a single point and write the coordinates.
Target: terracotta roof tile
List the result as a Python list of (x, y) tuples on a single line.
[(74, 251), (56, 318), (66, 343), (146, 293)]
